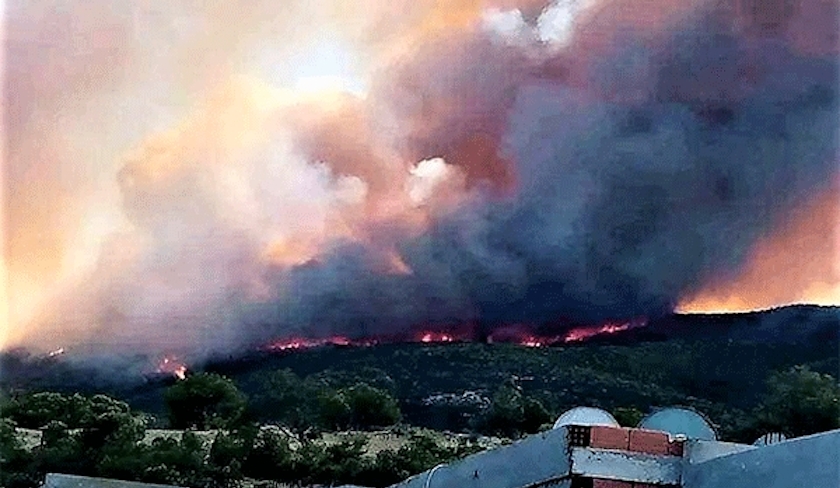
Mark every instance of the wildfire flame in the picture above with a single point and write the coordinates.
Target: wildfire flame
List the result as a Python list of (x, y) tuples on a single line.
[(523, 336), (583, 333), (171, 365), (533, 342), (514, 334), (430, 337), (294, 343)]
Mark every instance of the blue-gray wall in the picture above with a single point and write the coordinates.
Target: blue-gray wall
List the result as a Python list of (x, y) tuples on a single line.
[(537, 458), (812, 462), (54, 480)]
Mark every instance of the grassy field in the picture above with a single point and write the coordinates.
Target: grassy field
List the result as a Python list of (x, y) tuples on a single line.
[(376, 441)]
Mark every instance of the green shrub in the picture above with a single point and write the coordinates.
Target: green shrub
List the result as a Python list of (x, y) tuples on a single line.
[(336, 464), (182, 463), (422, 452), (334, 411), (271, 458), (512, 413), (284, 398), (371, 407), (534, 416), (17, 466), (800, 402), (204, 401)]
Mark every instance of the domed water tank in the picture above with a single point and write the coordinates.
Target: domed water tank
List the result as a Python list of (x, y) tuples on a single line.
[(680, 421), (586, 416)]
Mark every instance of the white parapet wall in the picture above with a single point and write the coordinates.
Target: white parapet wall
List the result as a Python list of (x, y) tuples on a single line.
[(56, 480), (634, 467)]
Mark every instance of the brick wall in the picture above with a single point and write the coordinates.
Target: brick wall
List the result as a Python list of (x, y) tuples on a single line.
[(635, 440)]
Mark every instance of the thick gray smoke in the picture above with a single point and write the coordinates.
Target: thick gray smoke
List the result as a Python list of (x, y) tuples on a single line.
[(655, 178), (571, 167)]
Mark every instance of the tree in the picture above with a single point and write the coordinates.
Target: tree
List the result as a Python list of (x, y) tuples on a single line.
[(106, 421), (173, 462), (285, 398), (35, 410), (17, 468), (506, 412), (204, 401), (61, 451), (83, 435), (334, 412), (228, 453), (337, 463), (112, 441), (271, 457), (534, 415), (800, 402), (371, 407), (512, 413)]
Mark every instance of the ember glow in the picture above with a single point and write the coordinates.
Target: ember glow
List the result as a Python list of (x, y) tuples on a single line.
[(521, 334), (315, 169), (172, 366), (291, 344), (434, 337), (583, 333), (526, 336), (421, 336)]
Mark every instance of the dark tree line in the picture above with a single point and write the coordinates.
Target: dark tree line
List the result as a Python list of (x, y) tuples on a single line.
[(101, 436)]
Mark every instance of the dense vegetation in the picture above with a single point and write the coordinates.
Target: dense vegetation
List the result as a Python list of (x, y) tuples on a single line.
[(102, 436), (746, 388), (447, 387), (98, 436)]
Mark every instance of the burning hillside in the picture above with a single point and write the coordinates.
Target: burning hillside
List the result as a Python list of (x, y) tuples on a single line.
[(515, 334), (321, 171), (809, 330)]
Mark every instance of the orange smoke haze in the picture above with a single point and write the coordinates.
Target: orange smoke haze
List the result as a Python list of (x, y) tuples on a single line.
[(169, 165), (797, 263), (4, 276), (176, 100)]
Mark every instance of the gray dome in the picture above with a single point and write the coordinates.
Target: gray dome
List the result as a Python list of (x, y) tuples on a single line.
[(586, 416), (680, 421)]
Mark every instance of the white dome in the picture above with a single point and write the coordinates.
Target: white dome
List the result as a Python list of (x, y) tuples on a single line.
[(586, 416)]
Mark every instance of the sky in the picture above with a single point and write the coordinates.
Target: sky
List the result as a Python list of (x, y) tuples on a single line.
[(213, 173)]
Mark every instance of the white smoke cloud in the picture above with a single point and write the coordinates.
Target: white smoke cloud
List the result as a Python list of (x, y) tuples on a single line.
[(428, 177), (556, 24), (510, 25)]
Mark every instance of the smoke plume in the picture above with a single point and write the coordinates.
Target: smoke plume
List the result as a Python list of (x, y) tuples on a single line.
[(211, 174)]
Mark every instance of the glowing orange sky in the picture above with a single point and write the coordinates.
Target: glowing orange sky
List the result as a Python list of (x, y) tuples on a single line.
[(798, 262)]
